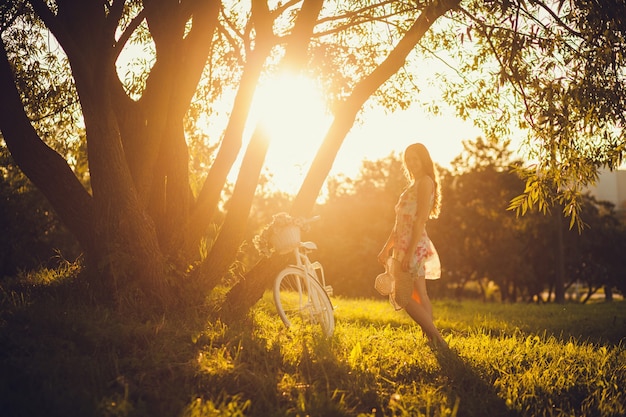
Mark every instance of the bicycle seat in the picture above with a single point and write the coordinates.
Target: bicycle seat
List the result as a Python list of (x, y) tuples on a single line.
[(308, 245)]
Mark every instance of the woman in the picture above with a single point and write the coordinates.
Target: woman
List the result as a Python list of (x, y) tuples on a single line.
[(414, 258)]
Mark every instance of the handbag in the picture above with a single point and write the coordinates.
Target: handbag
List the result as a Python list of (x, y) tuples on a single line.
[(384, 282)]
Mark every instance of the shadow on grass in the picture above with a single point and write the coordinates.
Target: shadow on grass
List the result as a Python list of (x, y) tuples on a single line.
[(477, 397), (62, 355)]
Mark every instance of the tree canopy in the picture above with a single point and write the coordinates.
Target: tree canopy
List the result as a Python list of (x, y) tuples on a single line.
[(119, 151), (554, 69)]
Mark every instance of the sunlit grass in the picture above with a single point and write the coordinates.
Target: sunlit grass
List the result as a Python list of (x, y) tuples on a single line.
[(504, 360)]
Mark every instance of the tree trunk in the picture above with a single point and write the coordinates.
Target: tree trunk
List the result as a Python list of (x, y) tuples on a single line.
[(204, 211), (249, 291), (233, 229), (483, 290), (559, 285), (43, 166), (174, 160), (126, 236)]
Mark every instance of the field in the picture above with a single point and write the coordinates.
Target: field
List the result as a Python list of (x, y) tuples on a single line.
[(60, 358)]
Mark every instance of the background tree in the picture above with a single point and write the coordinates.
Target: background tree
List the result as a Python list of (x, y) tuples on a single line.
[(594, 258), (476, 197), (554, 69)]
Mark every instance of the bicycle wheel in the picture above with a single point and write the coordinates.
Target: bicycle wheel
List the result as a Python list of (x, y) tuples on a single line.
[(301, 301)]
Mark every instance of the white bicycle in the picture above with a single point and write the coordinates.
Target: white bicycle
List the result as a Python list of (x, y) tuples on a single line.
[(300, 291)]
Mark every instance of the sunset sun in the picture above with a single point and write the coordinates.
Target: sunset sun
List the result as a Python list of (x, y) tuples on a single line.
[(292, 111)]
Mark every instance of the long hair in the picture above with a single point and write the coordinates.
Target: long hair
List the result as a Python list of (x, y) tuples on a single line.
[(429, 169)]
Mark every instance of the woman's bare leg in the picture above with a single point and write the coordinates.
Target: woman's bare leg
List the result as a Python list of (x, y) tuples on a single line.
[(420, 286), (422, 312), (418, 313)]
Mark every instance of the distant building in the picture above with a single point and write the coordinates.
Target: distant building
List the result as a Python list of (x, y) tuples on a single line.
[(611, 186)]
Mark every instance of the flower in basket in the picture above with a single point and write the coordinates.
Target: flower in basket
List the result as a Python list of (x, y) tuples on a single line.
[(281, 235)]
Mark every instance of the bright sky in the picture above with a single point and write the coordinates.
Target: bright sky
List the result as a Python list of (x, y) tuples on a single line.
[(380, 134)]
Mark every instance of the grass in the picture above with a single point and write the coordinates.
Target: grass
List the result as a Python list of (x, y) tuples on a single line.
[(61, 357)]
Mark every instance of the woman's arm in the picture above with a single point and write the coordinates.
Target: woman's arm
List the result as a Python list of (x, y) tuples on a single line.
[(384, 253)]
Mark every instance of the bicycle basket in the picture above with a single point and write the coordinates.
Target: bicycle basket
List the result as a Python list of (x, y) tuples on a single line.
[(285, 239)]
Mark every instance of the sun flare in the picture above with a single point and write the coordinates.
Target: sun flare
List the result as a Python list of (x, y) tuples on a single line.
[(293, 112)]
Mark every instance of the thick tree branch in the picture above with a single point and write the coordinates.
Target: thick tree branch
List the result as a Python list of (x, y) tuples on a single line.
[(233, 229), (42, 165), (196, 49), (209, 196), (296, 51), (134, 24)]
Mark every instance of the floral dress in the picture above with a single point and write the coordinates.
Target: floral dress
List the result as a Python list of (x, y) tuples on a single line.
[(424, 261)]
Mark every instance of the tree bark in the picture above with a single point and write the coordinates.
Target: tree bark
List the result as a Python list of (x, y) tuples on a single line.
[(47, 170), (204, 211), (126, 247), (247, 292), (205, 208), (233, 229)]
